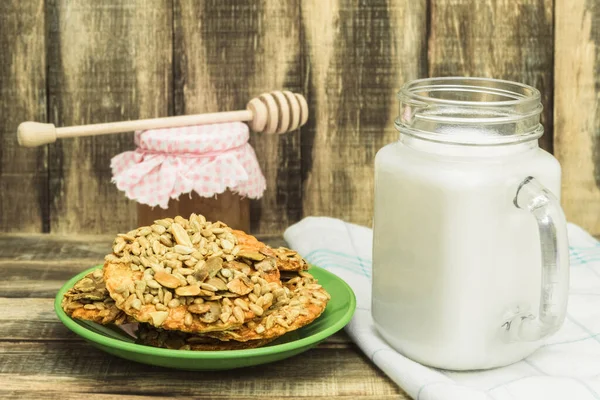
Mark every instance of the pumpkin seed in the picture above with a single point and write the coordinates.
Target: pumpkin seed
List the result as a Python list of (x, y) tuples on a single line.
[(166, 280), (158, 317)]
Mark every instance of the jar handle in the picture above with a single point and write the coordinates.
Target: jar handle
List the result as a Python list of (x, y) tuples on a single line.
[(545, 207)]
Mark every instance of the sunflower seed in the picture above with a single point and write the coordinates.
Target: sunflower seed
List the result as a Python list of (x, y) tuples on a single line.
[(144, 261), (156, 267), (180, 235), (81, 285), (242, 304), (207, 286), (291, 315), (196, 238), (144, 243), (180, 220), (165, 240), (184, 271), (196, 225), (156, 247), (270, 321), (173, 264), (281, 303), (267, 298), (260, 301), (206, 233), (128, 237), (173, 303), (264, 289), (167, 296), (320, 296), (187, 320), (256, 309), (136, 304), (190, 279), (118, 248), (140, 295), (293, 281), (159, 228), (162, 222), (226, 273), (225, 315), (184, 250), (191, 262), (130, 299), (238, 313), (227, 245)]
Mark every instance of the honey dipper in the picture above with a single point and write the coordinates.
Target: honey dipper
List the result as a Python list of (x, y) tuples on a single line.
[(274, 112)]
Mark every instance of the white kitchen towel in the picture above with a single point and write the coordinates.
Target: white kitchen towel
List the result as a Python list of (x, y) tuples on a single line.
[(566, 367)]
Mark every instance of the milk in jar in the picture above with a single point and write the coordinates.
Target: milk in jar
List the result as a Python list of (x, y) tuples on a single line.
[(470, 257)]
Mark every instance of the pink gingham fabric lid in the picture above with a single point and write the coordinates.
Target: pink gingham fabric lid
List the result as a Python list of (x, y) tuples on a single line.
[(207, 159)]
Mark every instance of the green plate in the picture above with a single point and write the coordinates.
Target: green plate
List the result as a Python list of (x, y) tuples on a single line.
[(113, 340)]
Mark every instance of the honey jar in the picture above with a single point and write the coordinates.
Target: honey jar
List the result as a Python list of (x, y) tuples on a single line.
[(206, 169)]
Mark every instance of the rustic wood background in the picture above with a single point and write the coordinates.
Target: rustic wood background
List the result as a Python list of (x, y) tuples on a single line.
[(84, 61)]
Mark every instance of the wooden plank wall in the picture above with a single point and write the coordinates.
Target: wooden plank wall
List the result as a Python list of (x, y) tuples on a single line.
[(107, 61), (73, 62), (23, 172)]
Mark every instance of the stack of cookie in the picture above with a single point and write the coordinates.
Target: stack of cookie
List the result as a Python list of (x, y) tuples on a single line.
[(196, 285)]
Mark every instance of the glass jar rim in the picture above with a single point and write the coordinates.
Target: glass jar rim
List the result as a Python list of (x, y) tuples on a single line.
[(409, 89), (470, 111)]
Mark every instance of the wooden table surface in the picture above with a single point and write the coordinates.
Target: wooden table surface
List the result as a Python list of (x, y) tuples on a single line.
[(42, 359)]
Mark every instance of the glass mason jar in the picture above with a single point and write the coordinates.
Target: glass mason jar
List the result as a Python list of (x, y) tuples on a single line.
[(470, 252)]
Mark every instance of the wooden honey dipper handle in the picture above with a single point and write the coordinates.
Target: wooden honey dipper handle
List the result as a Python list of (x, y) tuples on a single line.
[(275, 112)]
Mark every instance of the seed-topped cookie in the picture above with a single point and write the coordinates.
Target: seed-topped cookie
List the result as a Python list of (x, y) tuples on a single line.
[(190, 275), (88, 299), (298, 303), (156, 337)]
